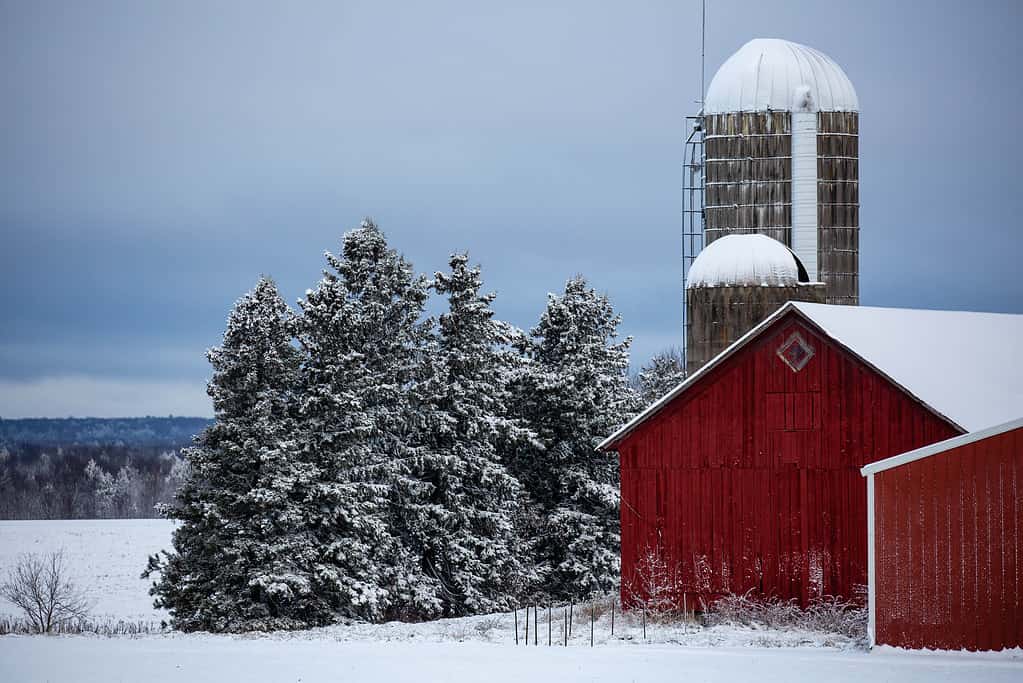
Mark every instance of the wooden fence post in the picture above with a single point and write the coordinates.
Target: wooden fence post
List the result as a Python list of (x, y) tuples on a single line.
[(612, 616), (516, 613)]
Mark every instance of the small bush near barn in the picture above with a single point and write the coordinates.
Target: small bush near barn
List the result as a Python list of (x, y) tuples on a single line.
[(824, 615)]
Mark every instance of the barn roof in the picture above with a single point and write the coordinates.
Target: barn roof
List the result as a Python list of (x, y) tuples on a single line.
[(965, 366)]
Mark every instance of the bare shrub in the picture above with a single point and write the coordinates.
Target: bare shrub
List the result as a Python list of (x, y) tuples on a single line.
[(824, 615), (833, 615), (656, 588), (106, 627), (486, 625), (457, 630), (600, 606), (40, 587)]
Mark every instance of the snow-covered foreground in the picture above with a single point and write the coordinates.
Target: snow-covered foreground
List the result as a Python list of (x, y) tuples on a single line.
[(210, 658), (107, 557)]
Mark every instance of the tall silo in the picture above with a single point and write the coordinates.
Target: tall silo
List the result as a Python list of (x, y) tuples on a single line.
[(777, 141)]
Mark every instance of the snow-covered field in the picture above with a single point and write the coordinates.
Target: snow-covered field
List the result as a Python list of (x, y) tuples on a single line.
[(107, 557)]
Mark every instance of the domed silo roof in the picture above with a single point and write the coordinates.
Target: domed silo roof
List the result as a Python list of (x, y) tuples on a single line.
[(779, 75), (746, 261)]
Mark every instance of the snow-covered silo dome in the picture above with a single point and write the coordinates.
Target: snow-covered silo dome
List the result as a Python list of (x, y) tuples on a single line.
[(746, 260), (736, 282), (779, 75)]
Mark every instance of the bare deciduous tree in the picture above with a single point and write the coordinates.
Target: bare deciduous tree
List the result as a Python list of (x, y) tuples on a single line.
[(40, 586), (656, 586)]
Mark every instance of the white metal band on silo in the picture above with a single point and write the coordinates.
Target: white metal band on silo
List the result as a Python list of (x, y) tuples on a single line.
[(804, 189)]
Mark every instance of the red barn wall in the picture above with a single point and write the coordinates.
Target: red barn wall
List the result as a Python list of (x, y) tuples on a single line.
[(750, 479), (948, 557)]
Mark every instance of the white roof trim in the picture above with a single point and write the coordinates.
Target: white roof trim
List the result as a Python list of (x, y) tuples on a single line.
[(871, 567), (941, 446), (656, 407)]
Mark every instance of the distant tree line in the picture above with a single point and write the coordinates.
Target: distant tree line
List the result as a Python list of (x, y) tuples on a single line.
[(370, 462), (87, 481), (167, 432)]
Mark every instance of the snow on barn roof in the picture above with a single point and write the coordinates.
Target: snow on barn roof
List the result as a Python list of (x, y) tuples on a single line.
[(964, 366), (779, 75), (756, 260)]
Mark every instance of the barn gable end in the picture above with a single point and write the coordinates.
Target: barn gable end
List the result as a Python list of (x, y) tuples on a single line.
[(749, 478)]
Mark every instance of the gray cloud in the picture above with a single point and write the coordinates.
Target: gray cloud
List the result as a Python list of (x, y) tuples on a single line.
[(155, 158)]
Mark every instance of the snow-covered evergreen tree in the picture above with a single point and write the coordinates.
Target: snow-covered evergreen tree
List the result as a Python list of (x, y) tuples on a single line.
[(463, 526), (362, 335), (574, 392), (242, 559), (347, 504), (391, 468), (663, 373)]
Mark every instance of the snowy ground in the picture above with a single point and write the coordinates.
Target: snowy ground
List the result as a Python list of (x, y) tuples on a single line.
[(209, 658), (108, 556)]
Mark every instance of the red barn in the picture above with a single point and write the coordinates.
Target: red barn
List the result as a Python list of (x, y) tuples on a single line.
[(946, 543), (746, 476)]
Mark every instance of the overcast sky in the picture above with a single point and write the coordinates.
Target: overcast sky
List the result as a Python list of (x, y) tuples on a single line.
[(157, 157)]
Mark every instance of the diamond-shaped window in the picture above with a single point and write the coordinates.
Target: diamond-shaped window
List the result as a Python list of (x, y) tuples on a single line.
[(795, 352)]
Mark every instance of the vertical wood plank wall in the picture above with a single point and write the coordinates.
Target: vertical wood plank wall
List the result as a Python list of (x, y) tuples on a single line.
[(838, 205), (749, 175), (949, 560), (750, 479)]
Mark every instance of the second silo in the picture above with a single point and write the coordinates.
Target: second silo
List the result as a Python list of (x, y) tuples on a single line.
[(734, 284)]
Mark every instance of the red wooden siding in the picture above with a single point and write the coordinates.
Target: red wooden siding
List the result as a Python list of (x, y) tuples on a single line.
[(750, 478), (948, 554)]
